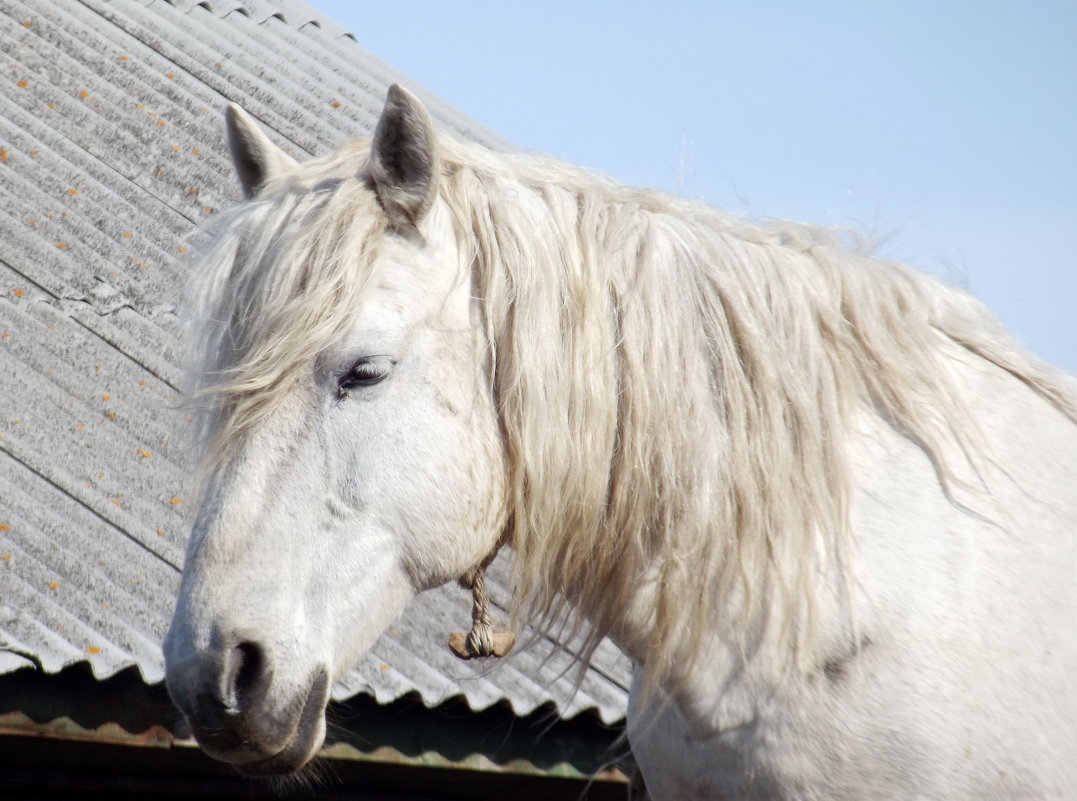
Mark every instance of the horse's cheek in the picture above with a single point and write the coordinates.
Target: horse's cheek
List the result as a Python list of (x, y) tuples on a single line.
[(455, 512)]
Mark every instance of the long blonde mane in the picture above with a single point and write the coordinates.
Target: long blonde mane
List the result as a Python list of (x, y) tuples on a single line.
[(676, 386)]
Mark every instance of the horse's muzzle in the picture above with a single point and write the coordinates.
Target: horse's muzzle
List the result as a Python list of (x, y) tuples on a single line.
[(236, 716)]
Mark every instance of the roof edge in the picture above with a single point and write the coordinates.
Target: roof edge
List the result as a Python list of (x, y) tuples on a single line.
[(124, 711)]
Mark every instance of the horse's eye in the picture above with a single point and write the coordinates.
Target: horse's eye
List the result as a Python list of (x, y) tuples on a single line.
[(364, 373)]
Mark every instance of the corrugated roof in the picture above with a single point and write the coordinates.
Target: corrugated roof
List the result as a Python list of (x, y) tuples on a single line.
[(111, 152)]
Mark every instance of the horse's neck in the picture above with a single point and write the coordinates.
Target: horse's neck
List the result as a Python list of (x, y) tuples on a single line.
[(927, 553), (739, 660)]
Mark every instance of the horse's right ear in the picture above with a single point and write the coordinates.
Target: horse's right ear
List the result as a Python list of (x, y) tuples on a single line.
[(254, 156), (403, 158)]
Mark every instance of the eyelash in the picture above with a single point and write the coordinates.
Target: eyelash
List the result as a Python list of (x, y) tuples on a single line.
[(364, 373)]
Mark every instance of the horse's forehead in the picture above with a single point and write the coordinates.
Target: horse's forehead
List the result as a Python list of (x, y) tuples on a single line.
[(420, 267), (408, 290), (385, 315)]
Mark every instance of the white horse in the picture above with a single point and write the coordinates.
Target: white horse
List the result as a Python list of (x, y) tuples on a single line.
[(825, 503)]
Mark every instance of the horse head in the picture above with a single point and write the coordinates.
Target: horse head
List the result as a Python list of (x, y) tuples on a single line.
[(354, 455)]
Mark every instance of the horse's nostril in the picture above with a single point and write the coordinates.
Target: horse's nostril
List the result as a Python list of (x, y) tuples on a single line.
[(245, 675)]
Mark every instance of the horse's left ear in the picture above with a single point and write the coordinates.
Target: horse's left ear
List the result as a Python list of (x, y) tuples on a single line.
[(255, 157), (403, 158)]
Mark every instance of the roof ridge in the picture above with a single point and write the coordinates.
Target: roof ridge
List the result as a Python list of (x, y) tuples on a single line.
[(295, 13)]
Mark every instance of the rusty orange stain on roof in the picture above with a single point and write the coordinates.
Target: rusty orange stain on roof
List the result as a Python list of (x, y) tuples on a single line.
[(384, 666), (115, 501), (3, 154), (335, 104), (5, 335), (33, 153), (171, 76), (139, 106), (84, 94), (160, 533), (54, 585), (61, 245), (21, 84), (195, 151), (72, 191), (7, 557), (5, 527), (27, 24), (207, 210), (20, 293), (50, 104), (162, 123), (128, 234), (110, 415), (176, 148), (144, 454), (125, 57), (79, 426), (93, 650), (176, 501), (106, 397), (182, 248)]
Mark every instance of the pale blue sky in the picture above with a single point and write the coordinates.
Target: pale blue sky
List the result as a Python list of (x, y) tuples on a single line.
[(951, 125)]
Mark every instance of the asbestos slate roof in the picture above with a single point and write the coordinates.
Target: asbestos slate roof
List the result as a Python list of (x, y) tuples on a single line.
[(111, 152)]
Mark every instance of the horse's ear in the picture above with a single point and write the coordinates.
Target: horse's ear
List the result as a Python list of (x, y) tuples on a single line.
[(254, 156), (403, 158)]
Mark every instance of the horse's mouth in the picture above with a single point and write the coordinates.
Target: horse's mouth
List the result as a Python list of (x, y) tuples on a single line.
[(306, 740)]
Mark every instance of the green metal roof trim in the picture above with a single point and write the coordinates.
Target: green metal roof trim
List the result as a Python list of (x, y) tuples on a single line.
[(111, 153), (122, 711)]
